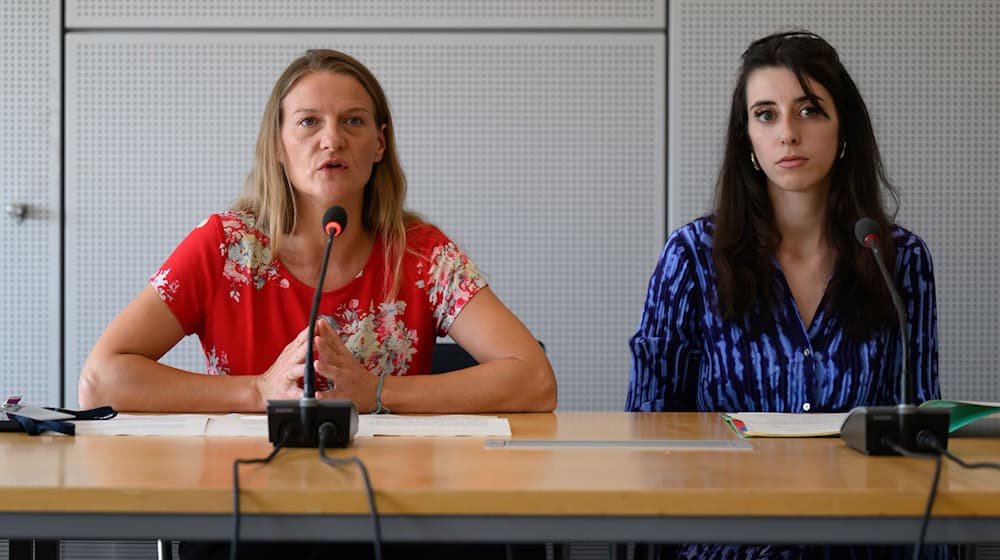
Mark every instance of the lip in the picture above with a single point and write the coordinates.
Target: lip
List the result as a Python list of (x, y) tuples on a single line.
[(792, 161), (326, 166)]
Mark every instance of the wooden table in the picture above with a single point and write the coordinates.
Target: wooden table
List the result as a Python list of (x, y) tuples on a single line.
[(458, 490)]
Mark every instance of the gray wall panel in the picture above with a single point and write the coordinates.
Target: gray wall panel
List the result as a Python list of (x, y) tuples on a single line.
[(929, 74), (374, 14), (540, 154), (29, 176)]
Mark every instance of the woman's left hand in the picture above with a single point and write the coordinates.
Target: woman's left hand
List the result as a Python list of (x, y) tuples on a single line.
[(350, 380)]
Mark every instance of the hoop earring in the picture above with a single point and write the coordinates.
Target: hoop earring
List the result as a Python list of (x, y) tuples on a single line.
[(843, 150), (753, 161)]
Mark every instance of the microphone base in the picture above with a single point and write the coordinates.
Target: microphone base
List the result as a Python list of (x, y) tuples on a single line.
[(868, 428), (301, 420)]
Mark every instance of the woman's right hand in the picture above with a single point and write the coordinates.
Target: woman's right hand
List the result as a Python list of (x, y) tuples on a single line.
[(283, 379)]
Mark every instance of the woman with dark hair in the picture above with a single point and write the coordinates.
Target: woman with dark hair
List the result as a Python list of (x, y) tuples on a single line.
[(769, 304)]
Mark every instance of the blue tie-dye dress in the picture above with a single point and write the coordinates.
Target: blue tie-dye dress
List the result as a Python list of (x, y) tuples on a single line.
[(686, 358)]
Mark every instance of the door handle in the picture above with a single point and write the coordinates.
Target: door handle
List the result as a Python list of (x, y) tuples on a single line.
[(17, 211)]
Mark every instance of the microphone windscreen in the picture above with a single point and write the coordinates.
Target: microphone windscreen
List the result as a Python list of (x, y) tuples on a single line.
[(865, 227), (335, 220)]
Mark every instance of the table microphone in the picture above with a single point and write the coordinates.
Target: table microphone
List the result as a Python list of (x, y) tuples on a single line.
[(297, 422), (875, 430)]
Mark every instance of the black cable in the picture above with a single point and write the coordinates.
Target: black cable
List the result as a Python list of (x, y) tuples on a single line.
[(235, 540), (325, 431), (927, 439), (918, 547)]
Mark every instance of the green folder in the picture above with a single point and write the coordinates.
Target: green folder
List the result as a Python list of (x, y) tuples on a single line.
[(964, 412)]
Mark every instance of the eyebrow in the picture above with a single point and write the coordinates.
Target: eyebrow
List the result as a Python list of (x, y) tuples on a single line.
[(353, 109), (797, 100)]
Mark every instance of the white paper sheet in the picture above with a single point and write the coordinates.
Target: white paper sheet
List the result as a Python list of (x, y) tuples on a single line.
[(445, 425), (245, 425), (145, 425), (255, 425)]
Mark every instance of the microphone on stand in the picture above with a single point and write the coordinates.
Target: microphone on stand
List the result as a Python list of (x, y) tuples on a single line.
[(873, 430), (298, 421)]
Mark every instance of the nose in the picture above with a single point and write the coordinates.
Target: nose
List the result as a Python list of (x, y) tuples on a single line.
[(788, 133), (331, 138)]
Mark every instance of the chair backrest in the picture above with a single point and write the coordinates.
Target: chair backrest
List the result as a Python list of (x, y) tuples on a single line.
[(449, 356)]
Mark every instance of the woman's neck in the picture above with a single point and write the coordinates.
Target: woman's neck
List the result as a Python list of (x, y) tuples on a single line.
[(302, 251), (801, 220)]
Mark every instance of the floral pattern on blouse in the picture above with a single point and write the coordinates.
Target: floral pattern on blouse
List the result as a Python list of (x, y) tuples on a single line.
[(222, 285), (217, 363), (454, 279), (247, 253), (165, 288), (377, 337)]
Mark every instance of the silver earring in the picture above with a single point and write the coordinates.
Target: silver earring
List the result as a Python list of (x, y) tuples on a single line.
[(843, 150), (753, 160)]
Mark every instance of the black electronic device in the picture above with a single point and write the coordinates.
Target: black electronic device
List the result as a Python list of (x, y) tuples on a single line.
[(298, 423)]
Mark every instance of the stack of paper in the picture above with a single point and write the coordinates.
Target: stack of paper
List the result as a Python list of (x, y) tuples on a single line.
[(773, 424)]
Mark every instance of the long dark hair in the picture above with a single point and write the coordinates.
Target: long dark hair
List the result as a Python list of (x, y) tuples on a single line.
[(745, 236)]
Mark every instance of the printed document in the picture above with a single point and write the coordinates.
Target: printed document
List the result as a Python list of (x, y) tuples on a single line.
[(255, 425)]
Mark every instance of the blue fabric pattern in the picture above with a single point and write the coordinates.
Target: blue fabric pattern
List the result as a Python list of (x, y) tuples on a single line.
[(686, 358)]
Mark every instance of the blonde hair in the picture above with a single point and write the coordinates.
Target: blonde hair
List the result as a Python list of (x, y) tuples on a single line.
[(267, 193)]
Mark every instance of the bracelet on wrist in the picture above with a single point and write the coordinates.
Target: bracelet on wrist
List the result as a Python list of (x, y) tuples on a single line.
[(379, 407)]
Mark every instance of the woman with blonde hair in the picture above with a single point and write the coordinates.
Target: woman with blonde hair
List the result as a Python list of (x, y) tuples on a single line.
[(243, 281)]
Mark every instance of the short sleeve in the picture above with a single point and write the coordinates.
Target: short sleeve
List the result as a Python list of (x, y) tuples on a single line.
[(449, 277), (186, 282), (665, 356)]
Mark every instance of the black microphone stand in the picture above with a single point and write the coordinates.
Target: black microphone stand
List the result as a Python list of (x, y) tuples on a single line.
[(298, 422), (891, 430)]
